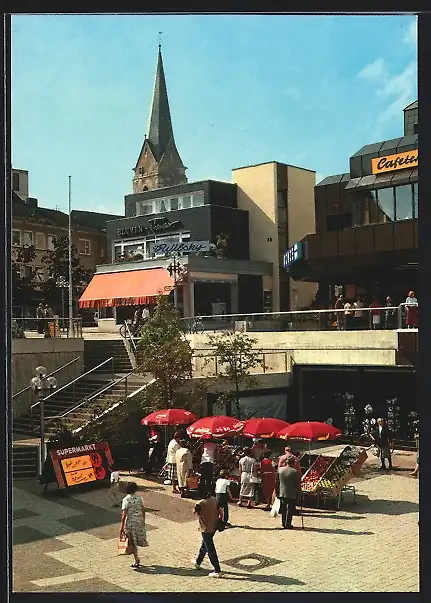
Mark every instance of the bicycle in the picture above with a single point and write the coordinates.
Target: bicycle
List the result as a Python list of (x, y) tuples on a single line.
[(196, 327)]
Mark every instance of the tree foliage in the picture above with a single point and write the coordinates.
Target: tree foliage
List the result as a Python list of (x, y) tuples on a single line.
[(236, 357), (56, 261), (22, 286), (165, 353)]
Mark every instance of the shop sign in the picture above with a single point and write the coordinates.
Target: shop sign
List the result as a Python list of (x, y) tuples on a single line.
[(81, 464), (391, 163), (154, 225), (168, 247), (293, 254), (267, 301)]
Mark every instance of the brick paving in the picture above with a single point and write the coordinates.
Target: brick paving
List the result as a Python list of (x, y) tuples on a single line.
[(68, 543)]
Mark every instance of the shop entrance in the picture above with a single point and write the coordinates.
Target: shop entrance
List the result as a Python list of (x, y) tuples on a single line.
[(208, 294)]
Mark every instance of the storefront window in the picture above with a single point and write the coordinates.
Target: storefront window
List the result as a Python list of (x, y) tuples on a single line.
[(415, 200), (385, 198), (404, 202)]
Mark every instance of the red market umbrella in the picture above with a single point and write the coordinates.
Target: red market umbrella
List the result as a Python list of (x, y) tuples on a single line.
[(171, 416), (309, 431), (263, 428), (217, 427)]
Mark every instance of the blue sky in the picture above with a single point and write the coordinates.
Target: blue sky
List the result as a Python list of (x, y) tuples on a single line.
[(304, 90)]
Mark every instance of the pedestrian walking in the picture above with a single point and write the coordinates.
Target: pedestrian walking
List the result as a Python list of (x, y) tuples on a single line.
[(267, 473), (40, 315), (412, 311), (133, 522), (359, 314), (223, 496), (384, 441), (171, 462), (376, 314), (114, 490), (209, 514), (248, 469), (184, 460), (287, 489)]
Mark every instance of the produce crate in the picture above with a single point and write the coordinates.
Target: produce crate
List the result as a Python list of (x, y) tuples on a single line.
[(354, 457), (312, 477), (336, 478)]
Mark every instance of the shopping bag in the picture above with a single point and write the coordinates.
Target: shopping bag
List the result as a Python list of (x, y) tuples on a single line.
[(275, 509), (192, 482), (123, 546)]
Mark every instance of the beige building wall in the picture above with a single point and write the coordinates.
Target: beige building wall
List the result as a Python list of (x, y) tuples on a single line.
[(257, 193), (301, 222)]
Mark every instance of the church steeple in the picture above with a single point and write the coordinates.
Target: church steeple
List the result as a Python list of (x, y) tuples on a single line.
[(159, 164)]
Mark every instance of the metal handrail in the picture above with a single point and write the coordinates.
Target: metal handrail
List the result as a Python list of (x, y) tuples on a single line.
[(50, 375), (128, 332), (72, 382), (92, 397)]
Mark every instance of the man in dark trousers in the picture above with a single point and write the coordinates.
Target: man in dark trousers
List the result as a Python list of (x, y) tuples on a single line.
[(384, 441), (209, 513), (287, 488)]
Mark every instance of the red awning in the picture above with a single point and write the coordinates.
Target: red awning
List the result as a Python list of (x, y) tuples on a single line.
[(129, 288)]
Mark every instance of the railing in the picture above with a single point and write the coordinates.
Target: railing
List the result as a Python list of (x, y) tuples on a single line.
[(26, 389), (382, 317), (209, 365), (47, 327), (130, 337), (71, 383)]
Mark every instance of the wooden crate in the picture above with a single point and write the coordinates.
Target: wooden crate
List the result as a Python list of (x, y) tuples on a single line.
[(357, 466)]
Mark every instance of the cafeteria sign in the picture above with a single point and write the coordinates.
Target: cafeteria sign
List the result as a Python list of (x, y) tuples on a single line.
[(81, 464), (168, 247), (391, 163)]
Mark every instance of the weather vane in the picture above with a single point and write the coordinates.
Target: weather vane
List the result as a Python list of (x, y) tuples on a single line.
[(160, 39)]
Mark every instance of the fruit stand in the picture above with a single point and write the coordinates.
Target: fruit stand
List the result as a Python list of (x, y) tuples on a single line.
[(327, 476)]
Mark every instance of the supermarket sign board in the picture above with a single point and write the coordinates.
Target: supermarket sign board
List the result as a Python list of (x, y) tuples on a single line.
[(83, 464)]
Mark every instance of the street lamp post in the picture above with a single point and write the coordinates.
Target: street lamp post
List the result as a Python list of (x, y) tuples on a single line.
[(62, 284), (39, 383), (176, 271)]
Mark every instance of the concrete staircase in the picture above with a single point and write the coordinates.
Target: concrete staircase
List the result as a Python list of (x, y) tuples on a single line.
[(98, 350), (24, 461)]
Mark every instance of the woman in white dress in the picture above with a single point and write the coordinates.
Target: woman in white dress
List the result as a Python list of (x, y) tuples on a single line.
[(248, 468), (171, 462), (184, 460), (133, 521)]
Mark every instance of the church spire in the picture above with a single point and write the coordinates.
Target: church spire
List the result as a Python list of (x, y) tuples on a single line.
[(160, 130), (159, 164)]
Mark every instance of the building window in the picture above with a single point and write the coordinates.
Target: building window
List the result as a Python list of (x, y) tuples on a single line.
[(15, 181), (386, 203), (174, 204), (145, 208), (415, 201), (403, 202), (198, 199), (26, 271), (28, 238), (186, 202), (338, 222), (415, 128), (84, 247), (39, 273), (162, 206), (16, 238), (40, 240), (50, 242)]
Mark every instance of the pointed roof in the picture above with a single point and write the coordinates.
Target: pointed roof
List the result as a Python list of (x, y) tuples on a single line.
[(160, 126)]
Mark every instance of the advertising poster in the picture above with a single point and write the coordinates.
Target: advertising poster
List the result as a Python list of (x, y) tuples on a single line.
[(83, 464)]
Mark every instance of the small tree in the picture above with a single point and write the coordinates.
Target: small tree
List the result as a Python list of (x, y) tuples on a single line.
[(22, 286), (165, 353), (237, 357), (57, 262)]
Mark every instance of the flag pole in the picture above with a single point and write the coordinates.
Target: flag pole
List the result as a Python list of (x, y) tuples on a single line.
[(70, 261)]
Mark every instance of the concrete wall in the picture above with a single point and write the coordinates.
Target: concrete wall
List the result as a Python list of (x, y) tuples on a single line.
[(27, 354), (374, 348), (301, 222)]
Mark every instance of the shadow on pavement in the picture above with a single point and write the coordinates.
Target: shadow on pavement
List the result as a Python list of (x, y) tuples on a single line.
[(383, 507), (189, 573), (336, 531)]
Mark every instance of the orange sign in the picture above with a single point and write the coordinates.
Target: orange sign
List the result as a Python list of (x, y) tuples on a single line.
[(76, 464), (73, 478), (391, 163)]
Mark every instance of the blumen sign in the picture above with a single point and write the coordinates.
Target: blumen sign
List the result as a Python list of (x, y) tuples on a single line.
[(168, 247)]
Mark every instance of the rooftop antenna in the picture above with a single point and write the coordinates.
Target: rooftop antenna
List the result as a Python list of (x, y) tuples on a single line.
[(160, 40)]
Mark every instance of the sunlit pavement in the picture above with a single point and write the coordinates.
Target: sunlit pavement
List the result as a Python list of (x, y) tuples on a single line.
[(66, 544)]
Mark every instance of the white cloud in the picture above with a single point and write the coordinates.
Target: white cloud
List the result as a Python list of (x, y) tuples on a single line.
[(374, 70), (411, 35)]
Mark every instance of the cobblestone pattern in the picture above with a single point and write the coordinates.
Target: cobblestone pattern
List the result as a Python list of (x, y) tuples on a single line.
[(57, 549)]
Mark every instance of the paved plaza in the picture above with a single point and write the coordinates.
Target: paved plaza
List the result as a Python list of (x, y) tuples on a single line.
[(68, 543)]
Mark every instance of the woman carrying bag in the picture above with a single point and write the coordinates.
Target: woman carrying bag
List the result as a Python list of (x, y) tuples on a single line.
[(133, 523)]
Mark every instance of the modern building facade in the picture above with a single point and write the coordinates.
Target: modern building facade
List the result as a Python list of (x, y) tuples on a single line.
[(366, 238), (241, 227)]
